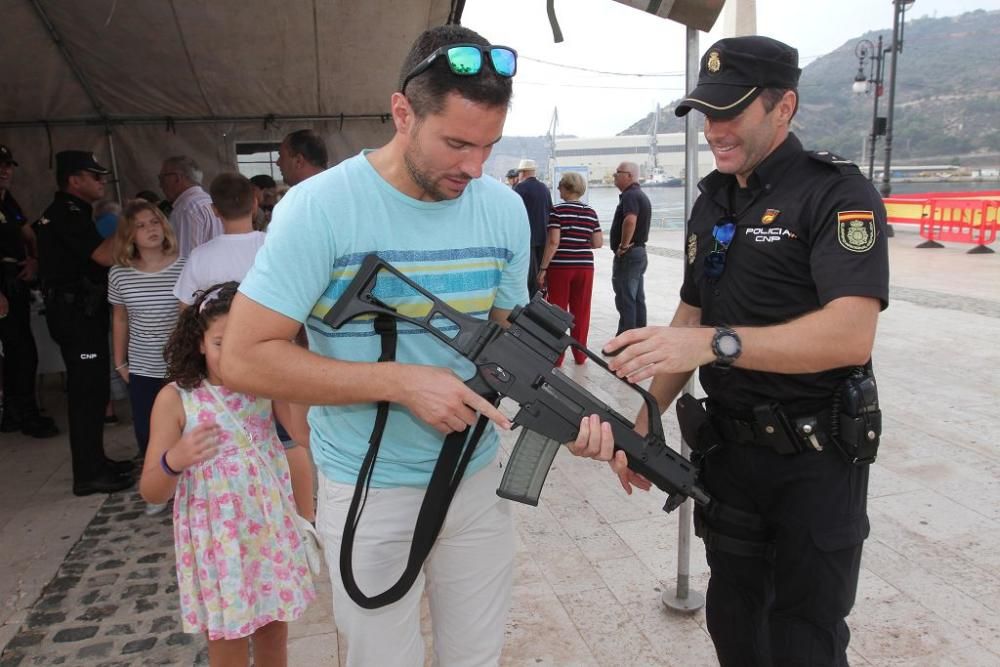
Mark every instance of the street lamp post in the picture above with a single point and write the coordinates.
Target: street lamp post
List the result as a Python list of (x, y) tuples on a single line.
[(866, 51), (899, 9)]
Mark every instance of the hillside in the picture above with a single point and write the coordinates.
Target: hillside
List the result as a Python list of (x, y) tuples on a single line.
[(947, 98)]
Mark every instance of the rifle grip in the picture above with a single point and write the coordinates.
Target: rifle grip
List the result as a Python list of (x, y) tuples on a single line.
[(527, 468)]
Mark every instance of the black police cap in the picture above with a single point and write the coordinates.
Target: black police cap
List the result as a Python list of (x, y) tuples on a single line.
[(7, 156), (70, 162), (735, 70)]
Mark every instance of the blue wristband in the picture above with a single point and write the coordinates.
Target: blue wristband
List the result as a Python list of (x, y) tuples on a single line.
[(166, 467)]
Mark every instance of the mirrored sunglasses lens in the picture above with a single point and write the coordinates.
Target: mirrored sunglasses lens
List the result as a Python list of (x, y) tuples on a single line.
[(465, 60), (724, 232), (504, 61)]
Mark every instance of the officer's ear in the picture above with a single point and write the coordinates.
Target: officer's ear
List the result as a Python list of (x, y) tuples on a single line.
[(788, 105)]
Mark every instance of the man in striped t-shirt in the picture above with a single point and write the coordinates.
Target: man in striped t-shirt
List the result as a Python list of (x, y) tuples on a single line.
[(419, 203), (567, 266)]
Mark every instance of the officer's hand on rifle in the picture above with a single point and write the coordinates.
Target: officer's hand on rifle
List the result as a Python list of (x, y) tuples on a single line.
[(438, 397), (595, 441), (643, 353)]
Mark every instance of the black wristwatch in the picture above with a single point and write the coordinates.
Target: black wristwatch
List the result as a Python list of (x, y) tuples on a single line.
[(727, 347)]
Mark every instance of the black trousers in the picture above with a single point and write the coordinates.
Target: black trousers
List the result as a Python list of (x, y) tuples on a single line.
[(20, 356), (786, 607), (142, 391), (534, 266), (82, 336)]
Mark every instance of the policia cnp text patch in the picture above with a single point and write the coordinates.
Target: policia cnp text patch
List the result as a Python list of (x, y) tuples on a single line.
[(856, 230)]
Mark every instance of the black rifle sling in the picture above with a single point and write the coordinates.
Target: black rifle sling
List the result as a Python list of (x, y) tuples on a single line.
[(455, 455)]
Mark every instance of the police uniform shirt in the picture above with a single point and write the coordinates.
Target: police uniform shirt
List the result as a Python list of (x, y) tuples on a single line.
[(11, 219), (67, 236), (810, 228), (632, 200)]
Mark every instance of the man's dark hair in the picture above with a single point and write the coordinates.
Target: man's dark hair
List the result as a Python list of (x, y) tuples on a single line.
[(310, 145), (232, 194), (770, 97), (148, 195), (263, 181), (427, 91)]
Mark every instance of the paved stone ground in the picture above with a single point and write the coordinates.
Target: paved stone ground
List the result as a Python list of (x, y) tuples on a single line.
[(113, 602)]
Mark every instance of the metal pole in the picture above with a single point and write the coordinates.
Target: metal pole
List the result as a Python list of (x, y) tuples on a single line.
[(898, 7), (877, 80), (114, 165), (683, 598)]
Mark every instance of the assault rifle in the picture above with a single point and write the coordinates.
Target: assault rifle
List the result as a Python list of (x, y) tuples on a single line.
[(518, 362)]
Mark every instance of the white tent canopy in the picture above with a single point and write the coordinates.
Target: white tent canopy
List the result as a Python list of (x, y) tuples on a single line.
[(140, 80)]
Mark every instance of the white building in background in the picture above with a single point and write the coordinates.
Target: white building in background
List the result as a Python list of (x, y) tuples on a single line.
[(603, 155)]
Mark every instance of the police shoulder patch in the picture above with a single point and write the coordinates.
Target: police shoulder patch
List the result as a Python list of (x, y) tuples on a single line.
[(842, 165), (856, 230)]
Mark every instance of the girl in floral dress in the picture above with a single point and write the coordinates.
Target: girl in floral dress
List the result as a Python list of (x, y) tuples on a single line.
[(241, 565)]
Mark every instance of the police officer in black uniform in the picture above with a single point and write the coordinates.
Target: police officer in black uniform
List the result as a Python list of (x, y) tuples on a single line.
[(73, 262), (18, 267), (786, 271)]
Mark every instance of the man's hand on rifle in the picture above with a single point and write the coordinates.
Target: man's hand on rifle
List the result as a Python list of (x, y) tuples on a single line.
[(596, 441), (438, 397), (643, 353)]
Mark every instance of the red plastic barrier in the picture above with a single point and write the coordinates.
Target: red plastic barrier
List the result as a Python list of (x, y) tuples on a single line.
[(955, 220)]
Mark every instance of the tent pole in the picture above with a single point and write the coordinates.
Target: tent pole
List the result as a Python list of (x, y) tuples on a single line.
[(114, 164), (190, 120)]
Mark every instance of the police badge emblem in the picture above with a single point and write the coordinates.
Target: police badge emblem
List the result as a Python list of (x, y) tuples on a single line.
[(713, 64), (692, 249), (770, 215), (856, 230)]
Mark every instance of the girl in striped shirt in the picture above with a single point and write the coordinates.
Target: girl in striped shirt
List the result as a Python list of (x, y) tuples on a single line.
[(144, 309)]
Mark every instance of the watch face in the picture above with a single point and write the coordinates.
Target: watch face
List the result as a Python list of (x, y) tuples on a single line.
[(728, 345)]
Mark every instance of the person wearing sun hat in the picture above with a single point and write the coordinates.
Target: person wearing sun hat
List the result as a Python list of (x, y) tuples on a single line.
[(785, 273)]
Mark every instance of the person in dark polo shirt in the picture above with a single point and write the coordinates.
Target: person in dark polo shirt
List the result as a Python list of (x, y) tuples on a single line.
[(538, 203), (629, 233), (73, 262), (18, 269), (786, 271)]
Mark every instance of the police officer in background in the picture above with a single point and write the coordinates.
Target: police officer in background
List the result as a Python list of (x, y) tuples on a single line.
[(18, 268), (73, 267), (786, 271)]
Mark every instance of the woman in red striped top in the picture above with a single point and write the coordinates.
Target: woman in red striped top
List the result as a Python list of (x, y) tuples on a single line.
[(567, 266)]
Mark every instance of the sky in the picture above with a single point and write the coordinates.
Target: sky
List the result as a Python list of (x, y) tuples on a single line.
[(617, 63)]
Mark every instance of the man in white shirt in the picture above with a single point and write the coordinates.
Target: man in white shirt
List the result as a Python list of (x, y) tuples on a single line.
[(229, 255), (192, 217)]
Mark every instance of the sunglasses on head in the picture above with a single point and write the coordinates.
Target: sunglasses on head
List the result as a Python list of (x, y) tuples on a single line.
[(467, 60), (715, 261)]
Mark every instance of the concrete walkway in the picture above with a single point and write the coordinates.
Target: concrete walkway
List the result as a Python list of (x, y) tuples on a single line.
[(90, 581)]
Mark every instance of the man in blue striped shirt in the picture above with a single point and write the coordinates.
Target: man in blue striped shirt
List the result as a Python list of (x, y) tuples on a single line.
[(420, 203)]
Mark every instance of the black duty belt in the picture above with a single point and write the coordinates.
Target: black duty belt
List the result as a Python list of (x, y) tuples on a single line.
[(772, 428)]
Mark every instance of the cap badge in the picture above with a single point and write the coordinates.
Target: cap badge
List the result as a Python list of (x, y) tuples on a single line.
[(770, 215), (714, 64)]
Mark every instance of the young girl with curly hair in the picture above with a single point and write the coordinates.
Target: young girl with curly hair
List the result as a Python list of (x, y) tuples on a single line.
[(241, 566)]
